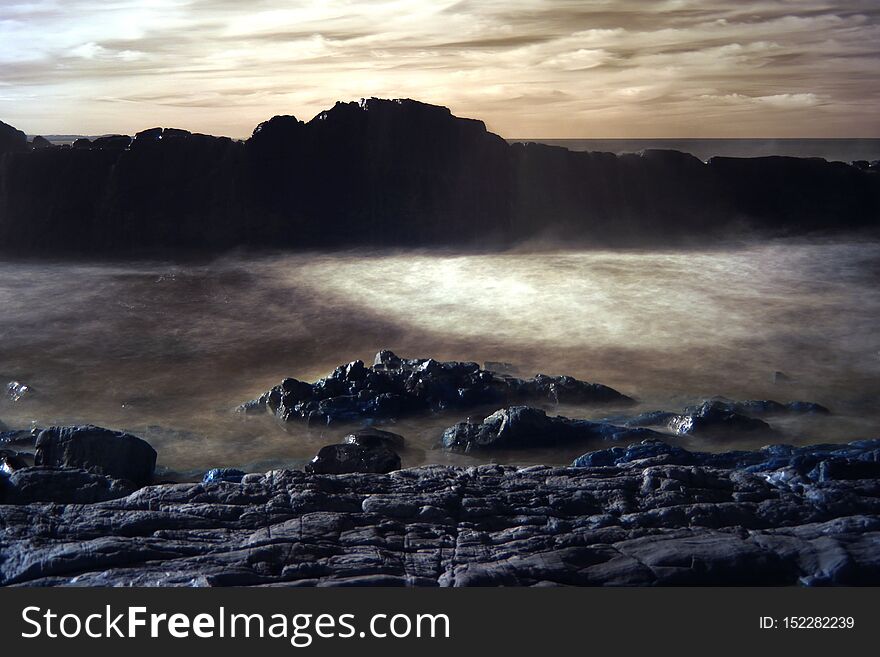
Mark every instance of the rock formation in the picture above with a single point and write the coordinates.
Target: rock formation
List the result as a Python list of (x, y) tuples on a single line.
[(384, 172), (647, 514), (395, 387)]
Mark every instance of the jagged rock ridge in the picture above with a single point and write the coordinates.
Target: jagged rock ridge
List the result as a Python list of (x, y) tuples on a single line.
[(399, 173)]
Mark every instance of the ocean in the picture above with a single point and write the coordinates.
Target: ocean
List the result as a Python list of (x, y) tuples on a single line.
[(841, 150), (167, 349)]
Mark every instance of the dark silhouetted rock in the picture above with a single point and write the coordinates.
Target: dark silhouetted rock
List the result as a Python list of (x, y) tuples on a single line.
[(230, 475), (372, 437), (349, 458), (82, 144), (12, 140), (40, 143), (521, 426), (149, 136), (113, 453), (112, 143), (395, 387), (413, 175)]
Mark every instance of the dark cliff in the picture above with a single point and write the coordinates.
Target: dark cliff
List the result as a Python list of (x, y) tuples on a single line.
[(399, 173)]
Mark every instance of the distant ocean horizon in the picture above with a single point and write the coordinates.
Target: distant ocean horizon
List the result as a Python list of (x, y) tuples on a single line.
[(841, 150)]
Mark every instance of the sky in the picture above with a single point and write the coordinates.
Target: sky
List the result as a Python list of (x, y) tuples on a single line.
[(528, 68)]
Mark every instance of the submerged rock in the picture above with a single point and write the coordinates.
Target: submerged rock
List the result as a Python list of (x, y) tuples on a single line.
[(113, 453), (349, 458), (521, 427), (16, 391), (715, 419), (395, 387)]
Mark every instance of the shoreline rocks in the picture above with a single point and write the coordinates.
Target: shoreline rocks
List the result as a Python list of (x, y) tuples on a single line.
[(395, 387), (114, 453), (349, 458), (519, 427), (647, 514)]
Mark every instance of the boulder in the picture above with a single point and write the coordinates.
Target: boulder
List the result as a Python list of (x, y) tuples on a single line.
[(394, 387), (82, 144), (716, 419), (40, 143), (113, 453), (519, 427), (372, 437), (229, 475), (350, 458)]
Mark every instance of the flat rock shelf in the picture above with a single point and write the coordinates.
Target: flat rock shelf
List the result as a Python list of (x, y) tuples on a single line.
[(657, 519)]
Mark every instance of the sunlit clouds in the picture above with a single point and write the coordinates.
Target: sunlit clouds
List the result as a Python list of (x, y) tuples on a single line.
[(529, 68)]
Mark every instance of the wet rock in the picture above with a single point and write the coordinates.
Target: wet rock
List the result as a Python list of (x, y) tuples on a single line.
[(766, 407), (11, 460), (395, 387), (61, 486), (351, 458), (641, 515), (802, 465), (20, 437), (716, 419), (372, 437), (521, 427), (16, 390), (230, 475), (113, 453)]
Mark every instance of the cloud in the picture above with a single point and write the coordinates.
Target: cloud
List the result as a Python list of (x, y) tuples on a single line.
[(530, 68)]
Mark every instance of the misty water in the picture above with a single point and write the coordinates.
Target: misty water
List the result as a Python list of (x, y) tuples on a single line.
[(168, 350)]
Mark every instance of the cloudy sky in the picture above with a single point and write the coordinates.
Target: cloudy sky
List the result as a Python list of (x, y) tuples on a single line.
[(529, 68)]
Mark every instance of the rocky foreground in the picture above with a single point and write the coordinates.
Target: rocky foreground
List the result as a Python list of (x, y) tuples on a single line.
[(79, 509), (647, 514)]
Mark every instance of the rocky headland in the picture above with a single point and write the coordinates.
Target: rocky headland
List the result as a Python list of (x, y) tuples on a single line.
[(78, 505), (400, 173)]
